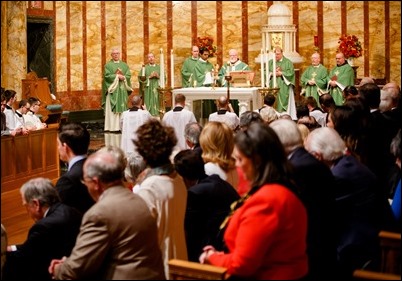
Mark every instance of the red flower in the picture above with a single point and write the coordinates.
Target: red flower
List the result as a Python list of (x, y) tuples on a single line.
[(207, 42), (350, 46)]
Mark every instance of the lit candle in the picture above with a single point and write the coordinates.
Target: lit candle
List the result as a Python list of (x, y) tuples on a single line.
[(143, 70), (274, 68), (266, 58), (162, 71), (262, 68), (171, 69)]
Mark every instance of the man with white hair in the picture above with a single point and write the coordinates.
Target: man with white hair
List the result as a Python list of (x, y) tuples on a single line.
[(361, 211)]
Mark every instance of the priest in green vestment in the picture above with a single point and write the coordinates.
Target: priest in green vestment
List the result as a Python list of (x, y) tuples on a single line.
[(116, 87), (234, 64), (149, 87), (339, 77), (314, 79), (285, 81), (188, 67), (203, 77)]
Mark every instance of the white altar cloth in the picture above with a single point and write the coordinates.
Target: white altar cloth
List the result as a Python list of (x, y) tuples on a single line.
[(249, 98)]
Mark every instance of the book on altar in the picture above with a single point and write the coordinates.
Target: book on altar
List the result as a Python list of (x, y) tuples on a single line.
[(242, 78)]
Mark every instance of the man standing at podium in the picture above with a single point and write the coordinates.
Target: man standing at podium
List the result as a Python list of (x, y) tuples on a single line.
[(116, 88)]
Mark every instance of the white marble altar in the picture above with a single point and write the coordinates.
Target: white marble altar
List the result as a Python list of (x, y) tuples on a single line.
[(249, 98)]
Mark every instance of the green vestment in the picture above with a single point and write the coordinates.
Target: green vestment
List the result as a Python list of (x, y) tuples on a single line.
[(121, 90), (320, 75), (201, 69), (344, 76), (149, 89), (187, 71), (285, 83)]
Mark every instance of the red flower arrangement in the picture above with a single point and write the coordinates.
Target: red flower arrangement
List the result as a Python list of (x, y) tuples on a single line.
[(350, 46), (207, 42)]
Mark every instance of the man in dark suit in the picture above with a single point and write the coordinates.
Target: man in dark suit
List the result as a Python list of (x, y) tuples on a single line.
[(316, 186), (73, 142), (208, 203), (52, 236)]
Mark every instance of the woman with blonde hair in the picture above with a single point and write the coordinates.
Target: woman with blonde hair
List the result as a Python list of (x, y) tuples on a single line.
[(217, 143)]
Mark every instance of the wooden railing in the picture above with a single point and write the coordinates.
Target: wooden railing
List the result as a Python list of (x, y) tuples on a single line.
[(27, 156)]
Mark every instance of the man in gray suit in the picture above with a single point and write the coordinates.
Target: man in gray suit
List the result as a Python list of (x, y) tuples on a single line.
[(118, 235)]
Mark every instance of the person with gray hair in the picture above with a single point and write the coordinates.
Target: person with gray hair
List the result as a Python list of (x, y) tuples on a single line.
[(361, 211), (311, 176), (51, 237), (118, 237), (192, 132)]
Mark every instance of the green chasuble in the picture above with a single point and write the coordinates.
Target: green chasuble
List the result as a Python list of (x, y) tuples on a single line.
[(237, 66), (285, 83), (319, 74), (187, 71), (344, 76), (201, 69), (119, 90), (149, 89)]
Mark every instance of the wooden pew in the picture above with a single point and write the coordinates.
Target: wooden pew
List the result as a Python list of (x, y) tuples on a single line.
[(24, 158), (187, 270)]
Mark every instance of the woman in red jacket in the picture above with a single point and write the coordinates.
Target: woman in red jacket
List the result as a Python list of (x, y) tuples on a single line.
[(266, 232)]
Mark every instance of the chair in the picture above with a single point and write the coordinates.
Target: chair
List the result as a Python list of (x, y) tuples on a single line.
[(187, 270), (390, 268)]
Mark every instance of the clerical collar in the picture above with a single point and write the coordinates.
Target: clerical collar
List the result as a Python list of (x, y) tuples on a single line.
[(203, 60), (19, 114), (134, 108), (8, 107), (32, 111), (316, 66), (178, 108), (116, 61), (193, 58), (342, 64), (222, 111)]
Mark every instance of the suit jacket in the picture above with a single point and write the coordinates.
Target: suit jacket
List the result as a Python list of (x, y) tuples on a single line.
[(117, 240), (317, 191), (208, 204), (52, 237), (71, 191)]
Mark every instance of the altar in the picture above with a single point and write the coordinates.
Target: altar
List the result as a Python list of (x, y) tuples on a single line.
[(249, 98)]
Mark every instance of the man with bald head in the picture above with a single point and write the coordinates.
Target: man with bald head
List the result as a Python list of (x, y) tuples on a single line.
[(118, 237), (314, 78), (339, 77), (225, 114)]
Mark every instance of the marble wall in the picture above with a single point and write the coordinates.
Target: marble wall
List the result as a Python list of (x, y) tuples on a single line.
[(85, 32)]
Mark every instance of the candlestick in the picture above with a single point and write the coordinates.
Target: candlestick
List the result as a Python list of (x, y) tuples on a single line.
[(266, 57), (162, 70), (274, 68), (143, 70), (171, 69), (262, 69)]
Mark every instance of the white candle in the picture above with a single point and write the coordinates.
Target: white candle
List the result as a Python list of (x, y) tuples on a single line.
[(266, 58), (262, 69), (162, 70), (171, 69), (143, 70), (274, 68)]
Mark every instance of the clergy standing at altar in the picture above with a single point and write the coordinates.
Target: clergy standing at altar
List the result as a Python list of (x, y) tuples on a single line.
[(314, 78), (149, 87), (283, 77), (188, 67), (203, 77), (339, 77), (234, 64)]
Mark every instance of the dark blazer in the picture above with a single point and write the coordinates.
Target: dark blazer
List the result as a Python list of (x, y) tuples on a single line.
[(361, 214), (71, 191), (51, 237), (316, 186), (208, 204)]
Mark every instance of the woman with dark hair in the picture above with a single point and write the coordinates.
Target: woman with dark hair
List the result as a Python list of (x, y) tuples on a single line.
[(266, 230), (349, 92)]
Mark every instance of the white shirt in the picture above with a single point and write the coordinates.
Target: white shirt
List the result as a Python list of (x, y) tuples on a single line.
[(229, 118)]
